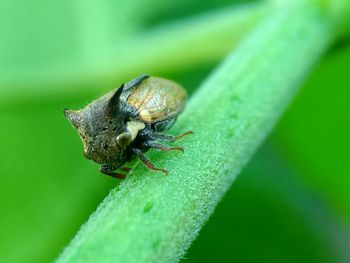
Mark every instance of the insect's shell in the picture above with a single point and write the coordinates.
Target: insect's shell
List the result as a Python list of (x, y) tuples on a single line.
[(157, 99)]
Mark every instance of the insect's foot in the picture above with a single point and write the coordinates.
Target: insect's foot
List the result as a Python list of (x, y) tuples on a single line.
[(161, 170)]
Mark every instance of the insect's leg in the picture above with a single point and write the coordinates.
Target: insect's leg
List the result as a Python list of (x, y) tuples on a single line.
[(183, 135), (167, 137), (161, 147), (147, 162), (115, 175), (105, 169), (125, 169)]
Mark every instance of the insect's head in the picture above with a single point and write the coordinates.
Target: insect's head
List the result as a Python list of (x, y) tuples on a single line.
[(102, 129)]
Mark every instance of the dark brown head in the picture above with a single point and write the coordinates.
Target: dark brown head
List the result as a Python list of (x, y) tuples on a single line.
[(99, 125)]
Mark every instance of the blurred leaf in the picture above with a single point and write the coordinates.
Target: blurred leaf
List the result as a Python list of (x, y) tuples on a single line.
[(97, 61), (168, 11), (315, 131)]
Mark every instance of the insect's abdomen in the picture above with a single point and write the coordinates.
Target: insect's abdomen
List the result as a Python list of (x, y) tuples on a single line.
[(157, 99)]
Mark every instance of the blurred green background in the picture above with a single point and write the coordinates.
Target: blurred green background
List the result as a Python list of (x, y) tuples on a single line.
[(291, 203)]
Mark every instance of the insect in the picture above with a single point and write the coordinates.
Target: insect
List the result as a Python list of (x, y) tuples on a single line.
[(129, 121)]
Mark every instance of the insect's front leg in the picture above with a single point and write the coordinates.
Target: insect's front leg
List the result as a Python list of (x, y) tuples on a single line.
[(108, 170)]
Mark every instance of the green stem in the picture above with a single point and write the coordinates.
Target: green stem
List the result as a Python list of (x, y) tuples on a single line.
[(154, 218)]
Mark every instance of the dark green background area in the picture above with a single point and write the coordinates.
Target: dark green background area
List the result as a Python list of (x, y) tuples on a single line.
[(291, 203)]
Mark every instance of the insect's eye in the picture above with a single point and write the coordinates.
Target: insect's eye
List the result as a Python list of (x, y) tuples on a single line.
[(124, 139)]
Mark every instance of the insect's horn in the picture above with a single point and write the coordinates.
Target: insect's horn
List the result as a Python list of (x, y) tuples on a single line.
[(72, 116), (113, 104)]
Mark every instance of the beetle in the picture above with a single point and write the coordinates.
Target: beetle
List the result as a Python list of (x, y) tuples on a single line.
[(129, 121)]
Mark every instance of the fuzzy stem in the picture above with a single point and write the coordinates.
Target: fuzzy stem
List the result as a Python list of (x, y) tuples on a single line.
[(154, 218)]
